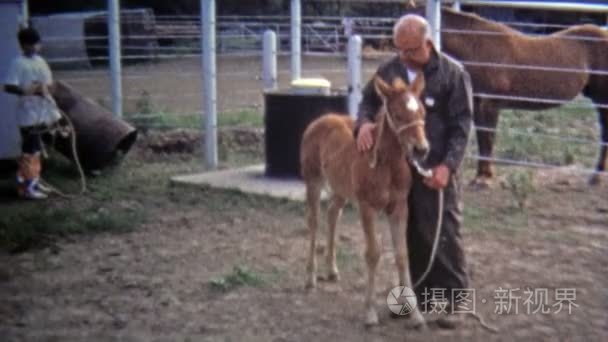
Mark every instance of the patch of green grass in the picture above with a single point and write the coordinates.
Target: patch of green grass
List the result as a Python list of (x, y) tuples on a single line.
[(534, 136), (348, 260), (149, 115), (35, 225), (161, 119), (521, 186), (120, 199), (505, 220), (240, 276), (243, 118)]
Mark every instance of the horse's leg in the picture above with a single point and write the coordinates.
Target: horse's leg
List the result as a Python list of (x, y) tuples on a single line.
[(398, 223), (372, 256), (313, 199), (486, 120), (333, 215), (601, 163)]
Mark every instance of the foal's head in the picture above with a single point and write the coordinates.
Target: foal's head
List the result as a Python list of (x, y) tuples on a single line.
[(404, 114)]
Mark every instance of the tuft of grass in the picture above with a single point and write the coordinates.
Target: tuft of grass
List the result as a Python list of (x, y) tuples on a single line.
[(348, 260), (240, 276), (243, 118), (521, 186), (504, 220)]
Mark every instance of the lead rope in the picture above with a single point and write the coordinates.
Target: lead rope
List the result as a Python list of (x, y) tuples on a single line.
[(83, 179), (383, 115)]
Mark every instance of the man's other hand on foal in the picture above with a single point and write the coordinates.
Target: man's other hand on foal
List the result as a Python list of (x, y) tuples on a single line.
[(365, 139)]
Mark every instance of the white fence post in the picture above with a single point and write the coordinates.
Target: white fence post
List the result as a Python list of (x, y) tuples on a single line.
[(296, 39), (115, 64), (456, 5), (354, 74), (269, 61), (25, 13), (209, 81), (433, 15)]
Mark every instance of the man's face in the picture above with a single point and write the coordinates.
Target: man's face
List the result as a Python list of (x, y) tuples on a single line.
[(30, 49), (414, 49)]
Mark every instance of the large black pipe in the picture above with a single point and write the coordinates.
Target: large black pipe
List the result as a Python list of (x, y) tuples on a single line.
[(100, 137)]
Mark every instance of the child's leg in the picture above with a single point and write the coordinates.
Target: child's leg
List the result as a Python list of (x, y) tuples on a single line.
[(28, 174)]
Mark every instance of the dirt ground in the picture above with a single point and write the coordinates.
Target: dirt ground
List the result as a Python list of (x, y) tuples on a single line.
[(155, 283)]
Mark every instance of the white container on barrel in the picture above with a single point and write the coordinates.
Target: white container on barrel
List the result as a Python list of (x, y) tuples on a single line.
[(310, 86)]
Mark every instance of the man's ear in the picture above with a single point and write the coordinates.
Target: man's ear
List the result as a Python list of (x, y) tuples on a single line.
[(418, 86), (382, 88)]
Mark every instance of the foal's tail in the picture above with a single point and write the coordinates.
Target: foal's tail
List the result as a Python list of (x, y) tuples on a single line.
[(310, 153), (310, 169)]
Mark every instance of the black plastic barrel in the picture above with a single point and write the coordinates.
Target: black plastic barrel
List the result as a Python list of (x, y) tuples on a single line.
[(286, 117)]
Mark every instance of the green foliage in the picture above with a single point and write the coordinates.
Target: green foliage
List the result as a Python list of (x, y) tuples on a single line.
[(548, 137), (520, 184), (148, 115), (240, 276), (33, 226)]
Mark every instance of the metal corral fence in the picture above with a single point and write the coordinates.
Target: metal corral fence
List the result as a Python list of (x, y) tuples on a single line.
[(162, 70)]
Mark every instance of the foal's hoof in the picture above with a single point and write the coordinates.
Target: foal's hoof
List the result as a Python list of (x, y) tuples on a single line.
[(371, 319), (311, 284), (482, 182), (333, 277), (415, 324), (595, 179)]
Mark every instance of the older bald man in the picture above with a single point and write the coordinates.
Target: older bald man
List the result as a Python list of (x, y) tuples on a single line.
[(449, 107)]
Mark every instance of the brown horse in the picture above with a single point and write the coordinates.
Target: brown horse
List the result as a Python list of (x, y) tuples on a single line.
[(567, 64), (376, 180)]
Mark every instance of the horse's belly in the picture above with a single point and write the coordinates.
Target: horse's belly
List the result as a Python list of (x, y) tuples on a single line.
[(530, 89)]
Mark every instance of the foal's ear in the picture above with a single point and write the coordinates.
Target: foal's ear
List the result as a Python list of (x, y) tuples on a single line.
[(383, 89), (418, 85)]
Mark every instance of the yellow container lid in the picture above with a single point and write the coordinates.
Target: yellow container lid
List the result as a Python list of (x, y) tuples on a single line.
[(315, 83)]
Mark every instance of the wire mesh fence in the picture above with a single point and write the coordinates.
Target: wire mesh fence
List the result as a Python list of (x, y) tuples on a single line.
[(162, 81)]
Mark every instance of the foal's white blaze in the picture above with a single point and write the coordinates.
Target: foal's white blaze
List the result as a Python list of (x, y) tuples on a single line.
[(412, 104)]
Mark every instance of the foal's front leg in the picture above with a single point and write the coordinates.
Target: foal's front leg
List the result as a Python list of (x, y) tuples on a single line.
[(372, 256), (398, 222)]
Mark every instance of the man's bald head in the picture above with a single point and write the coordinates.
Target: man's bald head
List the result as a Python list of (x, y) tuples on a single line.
[(411, 25), (412, 37)]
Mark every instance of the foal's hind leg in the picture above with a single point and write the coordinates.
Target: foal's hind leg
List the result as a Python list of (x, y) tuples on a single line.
[(333, 215), (313, 198), (398, 222)]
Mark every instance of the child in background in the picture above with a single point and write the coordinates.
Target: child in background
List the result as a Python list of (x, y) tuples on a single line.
[(29, 77)]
